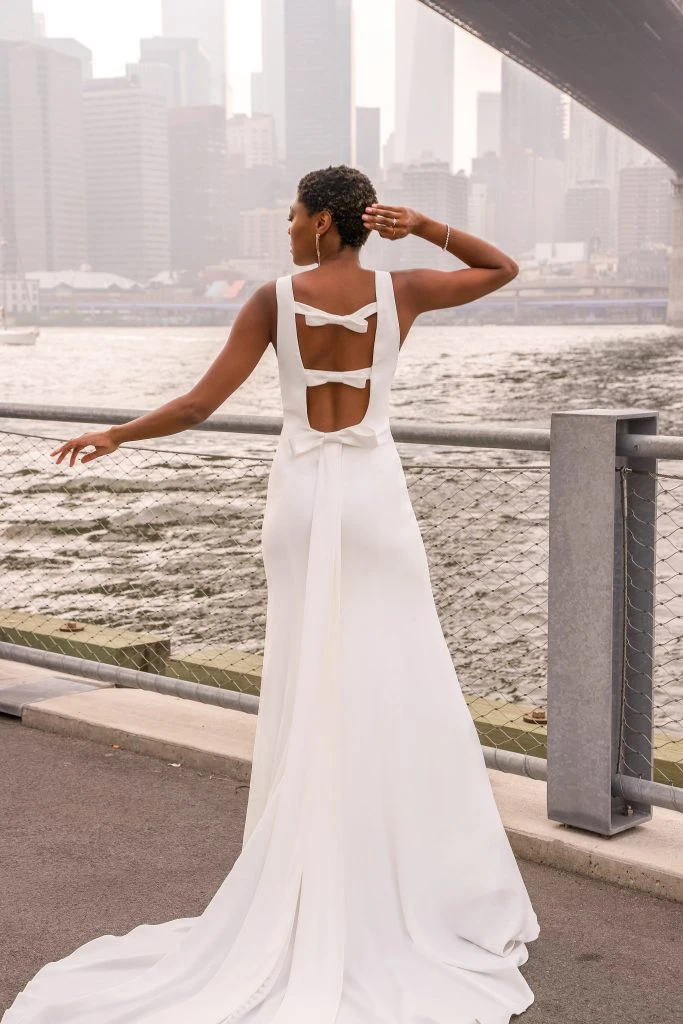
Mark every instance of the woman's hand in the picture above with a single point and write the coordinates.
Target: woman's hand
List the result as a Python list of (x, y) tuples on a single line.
[(103, 442), (392, 222)]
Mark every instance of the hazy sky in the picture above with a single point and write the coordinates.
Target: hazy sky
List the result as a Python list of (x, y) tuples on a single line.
[(112, 31)]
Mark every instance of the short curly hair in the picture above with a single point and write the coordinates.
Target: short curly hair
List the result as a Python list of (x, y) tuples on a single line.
[(345, 192)]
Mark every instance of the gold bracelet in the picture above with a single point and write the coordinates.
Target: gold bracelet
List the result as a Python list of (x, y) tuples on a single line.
[(448, 235)]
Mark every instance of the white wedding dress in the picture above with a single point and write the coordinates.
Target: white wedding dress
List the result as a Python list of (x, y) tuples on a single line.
[(376, 883)]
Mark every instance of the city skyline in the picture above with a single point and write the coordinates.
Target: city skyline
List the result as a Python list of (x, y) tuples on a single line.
[(476, 65), (549, 173)]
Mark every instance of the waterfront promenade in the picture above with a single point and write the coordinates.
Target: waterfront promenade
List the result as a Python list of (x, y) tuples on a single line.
[(98, 839), (121, 806)]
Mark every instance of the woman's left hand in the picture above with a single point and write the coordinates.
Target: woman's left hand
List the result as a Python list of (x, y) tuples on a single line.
[(103, 442), (392, 222)]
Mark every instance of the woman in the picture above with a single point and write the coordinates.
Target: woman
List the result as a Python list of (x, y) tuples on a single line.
[(376, 884)]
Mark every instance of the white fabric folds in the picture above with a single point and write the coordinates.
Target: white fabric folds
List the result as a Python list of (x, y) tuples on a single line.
[(376, 883)]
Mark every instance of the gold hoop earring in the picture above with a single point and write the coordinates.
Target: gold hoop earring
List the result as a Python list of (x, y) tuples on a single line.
[(317, 246)]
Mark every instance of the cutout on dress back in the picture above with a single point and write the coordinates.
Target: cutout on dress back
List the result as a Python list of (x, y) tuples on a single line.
[(336, 362)]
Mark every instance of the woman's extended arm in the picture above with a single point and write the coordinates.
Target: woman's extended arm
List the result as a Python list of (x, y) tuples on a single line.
[(425, 289), (249, 338)]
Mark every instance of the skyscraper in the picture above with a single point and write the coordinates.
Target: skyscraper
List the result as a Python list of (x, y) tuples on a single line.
[(531, 112), (587, 215), (488, 123), (72, 48), (645, 207), (203, 20), (189, 64), (596, 151), (318, 85), (16, 20), (368, 140), (531, 128), (425, 45), (273, 74), (42, 189), (126, 136), (197, 186), (252, 140), (433, 188)]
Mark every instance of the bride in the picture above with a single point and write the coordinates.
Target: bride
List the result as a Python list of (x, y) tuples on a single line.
[(376, 883)]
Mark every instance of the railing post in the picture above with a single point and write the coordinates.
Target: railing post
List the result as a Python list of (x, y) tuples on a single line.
[(599, 700)]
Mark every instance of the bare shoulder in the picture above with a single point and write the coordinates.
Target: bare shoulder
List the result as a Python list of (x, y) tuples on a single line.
[(265, 295), (260, 310), (420, 290), (404, 303)]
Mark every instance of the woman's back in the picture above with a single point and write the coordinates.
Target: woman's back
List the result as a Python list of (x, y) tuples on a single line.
[(333, 325), (336, 364)]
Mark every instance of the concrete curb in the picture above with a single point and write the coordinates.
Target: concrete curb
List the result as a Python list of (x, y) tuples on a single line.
[(647, 858), (201, 736)]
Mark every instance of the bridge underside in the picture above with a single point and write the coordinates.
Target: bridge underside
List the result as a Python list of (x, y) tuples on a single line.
[(623, 60)]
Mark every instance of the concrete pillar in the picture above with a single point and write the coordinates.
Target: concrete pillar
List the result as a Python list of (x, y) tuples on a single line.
[(674, 312), (600, 618)]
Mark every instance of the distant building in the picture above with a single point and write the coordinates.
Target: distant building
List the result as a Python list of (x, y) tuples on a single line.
[(645, 208), (596, 151), (318, 85), (256, 187), (531, 114), (259, 103), (264, 235), (157, 78), (480, 212), (268, 96), (531, 127), (18, 294), (368, 141), (197, 186), (486, 173), (548, 195), (432, 188), (488, 123), (62, 284), (189, 65), (651, 264), (554, 260), (424, 76), (587, 215), (203, 20), (16, 20), (72, 48), (389, 151), (42, 186), (252, 139), (127, 161)]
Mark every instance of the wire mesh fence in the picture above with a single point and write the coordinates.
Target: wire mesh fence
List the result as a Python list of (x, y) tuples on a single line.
[(657, 649), (151, 559)]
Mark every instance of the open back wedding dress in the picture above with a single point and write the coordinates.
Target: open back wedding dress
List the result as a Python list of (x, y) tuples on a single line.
[(376, 883)]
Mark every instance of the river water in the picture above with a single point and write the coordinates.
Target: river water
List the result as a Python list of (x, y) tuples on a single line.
[(508, 374), (170, 543)]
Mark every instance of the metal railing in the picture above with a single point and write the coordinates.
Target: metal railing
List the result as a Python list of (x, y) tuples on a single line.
[(145, 569)]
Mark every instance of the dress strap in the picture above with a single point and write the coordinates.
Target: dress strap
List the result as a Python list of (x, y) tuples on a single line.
[(354, 321)]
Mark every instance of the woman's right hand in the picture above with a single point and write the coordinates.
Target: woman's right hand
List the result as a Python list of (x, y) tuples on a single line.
[(102, 441), (392, 222)]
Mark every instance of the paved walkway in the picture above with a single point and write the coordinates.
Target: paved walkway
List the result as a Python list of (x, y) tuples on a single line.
[(97, 840)]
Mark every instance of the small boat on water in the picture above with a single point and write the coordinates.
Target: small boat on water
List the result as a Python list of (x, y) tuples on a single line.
[(16, 335), (10, 333)]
